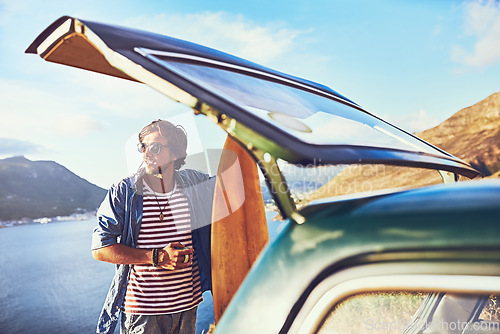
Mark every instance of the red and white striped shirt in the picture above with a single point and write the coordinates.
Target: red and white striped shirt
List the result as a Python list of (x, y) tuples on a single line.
[(154, 291)]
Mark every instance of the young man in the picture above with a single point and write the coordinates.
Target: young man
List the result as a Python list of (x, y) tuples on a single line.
[(155, 226)]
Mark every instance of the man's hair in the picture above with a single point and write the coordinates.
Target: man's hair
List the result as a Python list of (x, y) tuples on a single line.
[(175, 135)]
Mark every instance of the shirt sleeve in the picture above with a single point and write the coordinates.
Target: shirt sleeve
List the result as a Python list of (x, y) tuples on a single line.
[(110, 219)]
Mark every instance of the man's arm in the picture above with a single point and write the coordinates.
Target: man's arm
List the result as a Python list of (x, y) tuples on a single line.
[(170, 257), (121, 254)]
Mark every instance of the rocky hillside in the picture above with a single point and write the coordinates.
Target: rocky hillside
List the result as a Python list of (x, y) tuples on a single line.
[(35, 189), (471, 134)]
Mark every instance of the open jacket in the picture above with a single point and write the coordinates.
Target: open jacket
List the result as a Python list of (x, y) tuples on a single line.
[(119, 221)]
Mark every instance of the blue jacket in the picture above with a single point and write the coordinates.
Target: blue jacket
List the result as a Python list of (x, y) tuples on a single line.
[(119, 221)]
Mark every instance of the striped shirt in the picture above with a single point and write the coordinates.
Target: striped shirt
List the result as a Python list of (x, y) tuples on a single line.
[(154, 291)]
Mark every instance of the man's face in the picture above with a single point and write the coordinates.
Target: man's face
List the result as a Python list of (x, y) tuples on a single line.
[(163, 159)]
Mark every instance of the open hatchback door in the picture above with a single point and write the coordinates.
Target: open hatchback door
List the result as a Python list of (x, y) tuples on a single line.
[(285, 122), (273, 115)]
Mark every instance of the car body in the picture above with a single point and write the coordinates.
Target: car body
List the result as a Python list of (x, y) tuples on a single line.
[(427, 245)]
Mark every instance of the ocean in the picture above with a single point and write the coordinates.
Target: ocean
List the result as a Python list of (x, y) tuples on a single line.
[(49, 282)]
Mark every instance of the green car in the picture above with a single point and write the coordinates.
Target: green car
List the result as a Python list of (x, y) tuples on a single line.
[(349, 257)]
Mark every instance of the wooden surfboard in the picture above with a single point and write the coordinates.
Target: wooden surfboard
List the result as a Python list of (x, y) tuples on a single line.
[(239, 227)]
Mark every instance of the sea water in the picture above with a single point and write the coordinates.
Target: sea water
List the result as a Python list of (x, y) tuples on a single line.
[(49, 282)]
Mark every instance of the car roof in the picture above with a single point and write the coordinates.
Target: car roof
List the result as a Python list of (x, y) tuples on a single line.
[(307, 122)]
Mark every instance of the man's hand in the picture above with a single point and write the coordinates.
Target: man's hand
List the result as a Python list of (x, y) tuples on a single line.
[(175, 256)]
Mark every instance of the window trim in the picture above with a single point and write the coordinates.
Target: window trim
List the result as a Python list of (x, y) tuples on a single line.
[(416, 277)]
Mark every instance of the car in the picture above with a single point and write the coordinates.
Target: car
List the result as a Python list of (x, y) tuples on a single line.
[(417, 259)]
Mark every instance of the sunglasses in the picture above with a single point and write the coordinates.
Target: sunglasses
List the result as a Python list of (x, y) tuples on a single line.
[(154, 148)]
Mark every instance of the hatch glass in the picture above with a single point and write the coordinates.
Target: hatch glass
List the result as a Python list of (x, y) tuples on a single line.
[(303, 112)]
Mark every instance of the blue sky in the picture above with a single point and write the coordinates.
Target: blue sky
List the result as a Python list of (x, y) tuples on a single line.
[(413, 63)]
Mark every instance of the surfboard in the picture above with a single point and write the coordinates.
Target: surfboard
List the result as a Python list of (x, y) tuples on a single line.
[(239, 227)]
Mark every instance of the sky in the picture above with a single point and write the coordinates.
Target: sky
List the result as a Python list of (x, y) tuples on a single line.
[(413, 63)]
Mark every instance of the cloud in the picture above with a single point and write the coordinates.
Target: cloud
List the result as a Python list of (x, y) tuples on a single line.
[(482, 21), (76, 125), (29, 110), (227, 32), (11, 147)]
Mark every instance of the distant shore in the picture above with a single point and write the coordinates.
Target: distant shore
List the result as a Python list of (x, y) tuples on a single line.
[(46, 220)]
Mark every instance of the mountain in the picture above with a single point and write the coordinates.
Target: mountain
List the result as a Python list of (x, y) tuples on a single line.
[(35, 189), (472, 134)]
